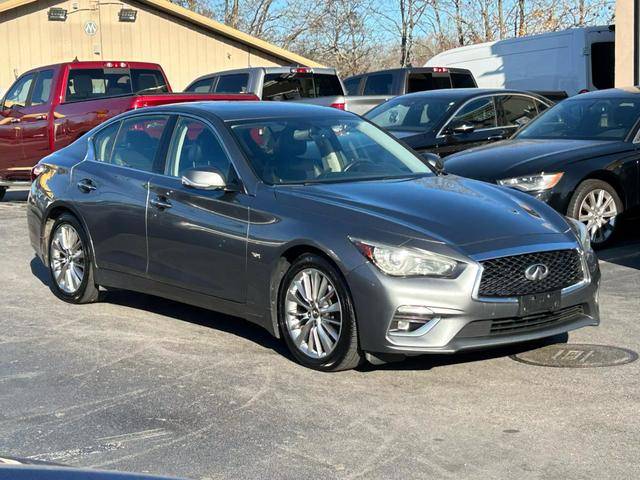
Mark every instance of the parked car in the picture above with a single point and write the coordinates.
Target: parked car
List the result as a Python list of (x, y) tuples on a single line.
[(313, 223), (451, 120), (581, 157), (371, 89), (49, 107), (554, 64)]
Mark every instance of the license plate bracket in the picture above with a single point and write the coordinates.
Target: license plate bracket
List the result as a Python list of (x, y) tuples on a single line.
[(539, 303)]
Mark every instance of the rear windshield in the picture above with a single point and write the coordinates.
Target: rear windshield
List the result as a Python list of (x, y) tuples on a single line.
[(87, 84), (420, 82), (293, 86)]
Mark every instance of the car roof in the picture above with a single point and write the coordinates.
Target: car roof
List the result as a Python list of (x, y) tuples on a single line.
[(462, 93), (230, 111), (622, 92)]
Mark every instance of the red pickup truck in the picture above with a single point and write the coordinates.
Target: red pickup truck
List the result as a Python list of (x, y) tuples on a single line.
[(49, 107)]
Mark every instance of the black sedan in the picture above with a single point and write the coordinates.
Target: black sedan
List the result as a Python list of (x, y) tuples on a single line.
[(581, 157), (450, 120)]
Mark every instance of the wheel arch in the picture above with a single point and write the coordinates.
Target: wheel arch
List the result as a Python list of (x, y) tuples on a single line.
[(610, 178), (53, 212)]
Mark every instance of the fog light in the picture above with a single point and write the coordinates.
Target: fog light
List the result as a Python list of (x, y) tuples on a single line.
[(403, 325), (410, 318)]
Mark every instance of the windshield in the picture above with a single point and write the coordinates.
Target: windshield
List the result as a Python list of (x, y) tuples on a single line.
[(586, 119), (411, 113), (300, 150)]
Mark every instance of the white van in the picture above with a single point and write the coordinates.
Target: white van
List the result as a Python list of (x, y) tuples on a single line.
[(555, 63)]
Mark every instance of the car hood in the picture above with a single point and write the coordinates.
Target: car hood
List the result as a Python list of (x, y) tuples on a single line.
[(515, 157), (450, 209)]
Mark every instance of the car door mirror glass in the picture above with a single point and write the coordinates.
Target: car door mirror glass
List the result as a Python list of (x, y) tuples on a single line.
[(206, 178), (434, 160)]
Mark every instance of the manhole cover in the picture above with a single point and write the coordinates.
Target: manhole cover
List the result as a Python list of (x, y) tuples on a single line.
[(569, 355)]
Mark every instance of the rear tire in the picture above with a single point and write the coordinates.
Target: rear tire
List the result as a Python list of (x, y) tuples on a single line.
[(71, 262), (3, 190), (316, 316), (597, 204)]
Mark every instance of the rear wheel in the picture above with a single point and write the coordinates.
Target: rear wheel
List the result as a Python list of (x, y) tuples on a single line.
[(316, 316), (3, 190), (597, 204), (70, 264)]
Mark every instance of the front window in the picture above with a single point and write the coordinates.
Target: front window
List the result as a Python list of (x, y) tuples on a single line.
[(480, 113), (411, 113), (586, 119), (17, 96), (299, 150)]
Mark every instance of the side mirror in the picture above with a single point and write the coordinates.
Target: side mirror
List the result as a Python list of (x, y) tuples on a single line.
[(435, 161), (205, 178), (463, 128)]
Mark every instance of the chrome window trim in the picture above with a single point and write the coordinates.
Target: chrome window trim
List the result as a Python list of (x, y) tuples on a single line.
[(488, 95)]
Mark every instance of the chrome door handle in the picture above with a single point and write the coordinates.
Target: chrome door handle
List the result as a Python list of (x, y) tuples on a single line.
[(42, 116), (14, 120), (495, 137), (160, 204), (86, 186)]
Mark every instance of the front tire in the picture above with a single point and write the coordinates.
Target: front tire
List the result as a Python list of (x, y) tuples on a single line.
[(597, 204), (316, 316), (70, 262)]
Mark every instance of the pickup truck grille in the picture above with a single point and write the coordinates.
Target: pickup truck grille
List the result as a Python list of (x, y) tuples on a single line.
[(505, 276)]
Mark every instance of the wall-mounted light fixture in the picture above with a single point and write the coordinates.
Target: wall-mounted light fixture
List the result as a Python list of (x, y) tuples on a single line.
[(127, 15), (57, 14)]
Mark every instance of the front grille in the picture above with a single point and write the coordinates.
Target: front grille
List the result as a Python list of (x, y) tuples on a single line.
[(504, 277), (505, 326)]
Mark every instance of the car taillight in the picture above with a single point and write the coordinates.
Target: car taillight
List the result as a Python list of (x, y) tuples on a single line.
[(301, 70), (37, 171), (440, 69), (338, 105)]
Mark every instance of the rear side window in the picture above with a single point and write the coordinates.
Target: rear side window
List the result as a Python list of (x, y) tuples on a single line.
[(236, 83), (352, 85), (138, 141), (602, 64), (201, 86), (194, 145), (517, 110), (287, 86), (462, 80), (103, 142), (420, 82), (17, 96), (378, 84), (42, 88), (480, 113), (148, 81)]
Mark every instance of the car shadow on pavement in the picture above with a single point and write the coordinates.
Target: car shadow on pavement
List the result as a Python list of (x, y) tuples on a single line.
[(39, 270), (427, 362), (15, 196), (625, 249)]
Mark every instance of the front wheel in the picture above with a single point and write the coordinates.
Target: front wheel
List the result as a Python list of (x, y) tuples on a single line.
[(597, 204), (316, 316), (70, 264)]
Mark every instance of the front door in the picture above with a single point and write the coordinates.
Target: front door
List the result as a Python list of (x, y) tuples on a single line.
[(35, 121), (11, 153), (111, 190), (197, 238)]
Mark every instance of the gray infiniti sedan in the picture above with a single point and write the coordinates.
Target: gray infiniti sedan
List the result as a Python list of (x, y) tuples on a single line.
[(312, 223)]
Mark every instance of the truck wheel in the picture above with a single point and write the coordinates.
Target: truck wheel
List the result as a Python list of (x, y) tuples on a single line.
[(597, 204), (3, 190)]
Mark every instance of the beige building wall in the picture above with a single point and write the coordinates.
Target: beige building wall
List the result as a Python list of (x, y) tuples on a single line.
[(624, 43), (185, 51)]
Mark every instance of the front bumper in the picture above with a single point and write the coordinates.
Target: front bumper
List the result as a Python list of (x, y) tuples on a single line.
[(461, 320)]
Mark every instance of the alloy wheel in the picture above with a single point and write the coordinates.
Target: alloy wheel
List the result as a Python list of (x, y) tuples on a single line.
[(598, 212), (67, 259), (313, 313)]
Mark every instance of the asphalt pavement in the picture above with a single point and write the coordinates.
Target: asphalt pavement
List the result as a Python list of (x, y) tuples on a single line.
[(138, 383)]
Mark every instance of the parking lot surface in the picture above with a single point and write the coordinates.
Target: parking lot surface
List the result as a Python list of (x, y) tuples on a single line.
[(142, 384)]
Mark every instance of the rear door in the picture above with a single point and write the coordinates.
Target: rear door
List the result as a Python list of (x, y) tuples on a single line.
[(35, 119), (474, 123), (111, 189), (198, 238)]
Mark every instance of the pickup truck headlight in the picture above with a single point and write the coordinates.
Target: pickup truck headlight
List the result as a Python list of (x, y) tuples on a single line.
[(530, 183), (407, 262)]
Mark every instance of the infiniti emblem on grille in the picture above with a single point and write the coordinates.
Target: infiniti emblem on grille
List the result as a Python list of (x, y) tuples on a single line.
[(536, 272)]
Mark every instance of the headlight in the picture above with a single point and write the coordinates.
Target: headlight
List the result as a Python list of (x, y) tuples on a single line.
[(407, 262), (529, 183), (581, 233)]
